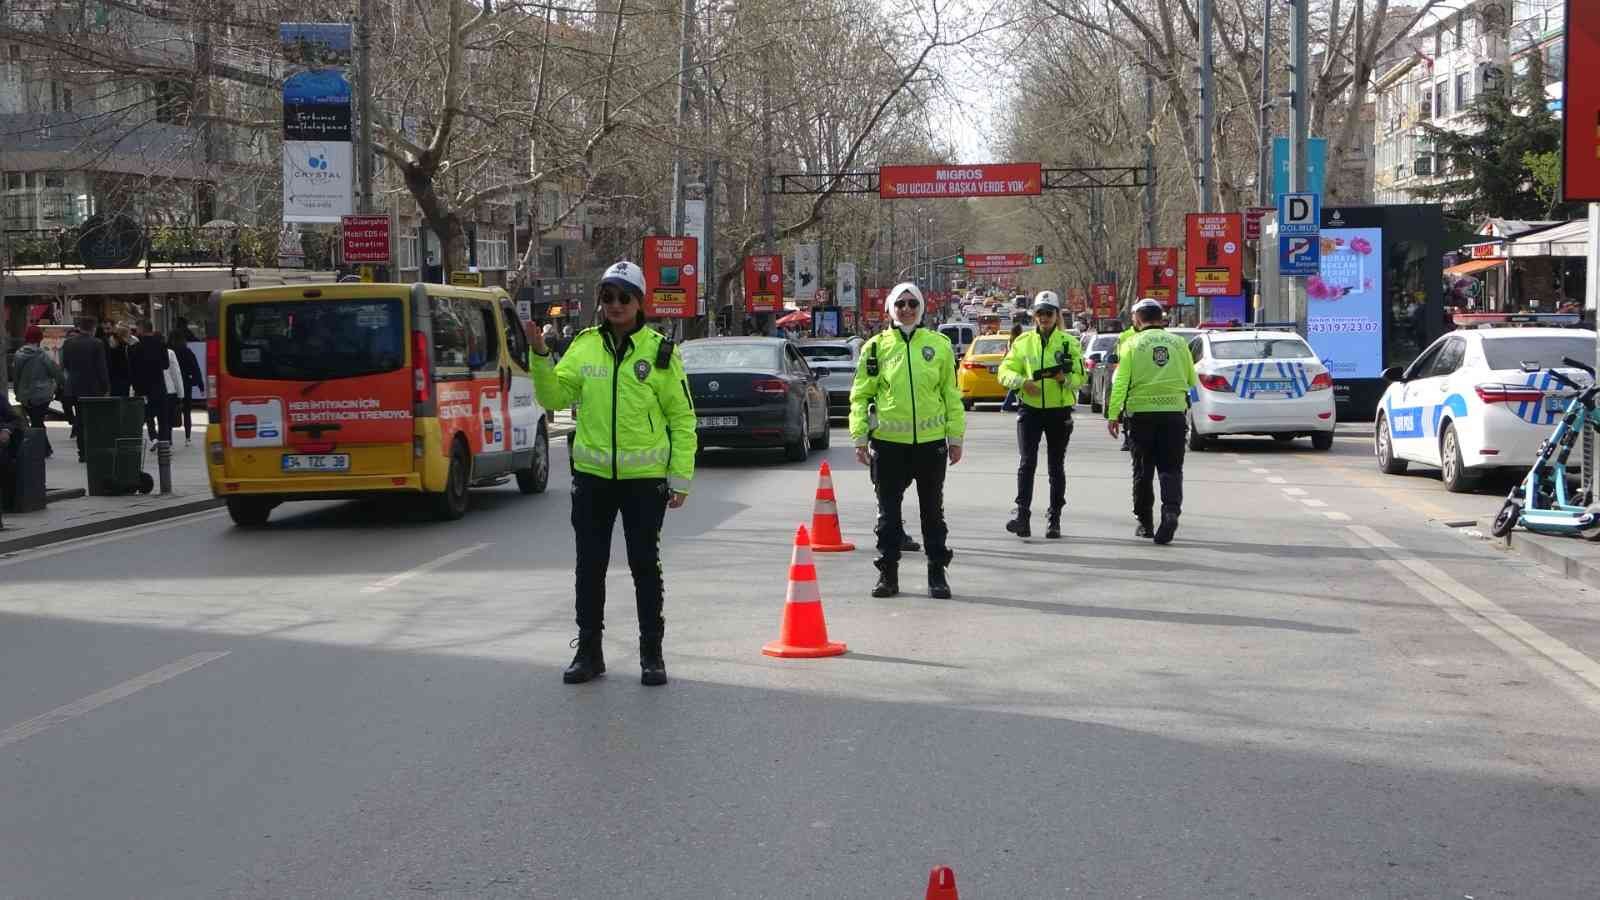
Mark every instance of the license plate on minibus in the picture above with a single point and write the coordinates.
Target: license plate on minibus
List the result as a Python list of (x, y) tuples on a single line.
[(316, 462)]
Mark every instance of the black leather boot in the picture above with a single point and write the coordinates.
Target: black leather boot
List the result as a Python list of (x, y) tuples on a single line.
[(888, 579), (1167, 528), (938, 587), (1019, 523), (1053, 529), (652, 668), (1145, 529), (590, 661)]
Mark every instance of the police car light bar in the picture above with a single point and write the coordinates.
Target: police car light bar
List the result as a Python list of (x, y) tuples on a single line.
[(1515, 320)]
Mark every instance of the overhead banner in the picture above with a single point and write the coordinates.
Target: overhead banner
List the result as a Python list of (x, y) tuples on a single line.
[(763, 283), (807, 271), (671, 277), (982, 180), (846, 286), (1157, 277), (1580, 103), (998, 262), (318, 162), (1214, 254), (1103, 296)]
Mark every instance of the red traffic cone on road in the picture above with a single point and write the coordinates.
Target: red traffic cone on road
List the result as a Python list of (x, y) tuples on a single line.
[(825, 516), (804, 633), (942, 884)]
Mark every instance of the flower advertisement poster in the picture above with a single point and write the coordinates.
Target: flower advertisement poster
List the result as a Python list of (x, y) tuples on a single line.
[(1344, 317)]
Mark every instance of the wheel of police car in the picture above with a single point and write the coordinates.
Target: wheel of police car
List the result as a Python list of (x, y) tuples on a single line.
[(1383, 448), (1322, 440), (1197, 441), (1453, 470)]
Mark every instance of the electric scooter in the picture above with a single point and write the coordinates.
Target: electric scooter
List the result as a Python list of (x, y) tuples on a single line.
[(1541, 502)]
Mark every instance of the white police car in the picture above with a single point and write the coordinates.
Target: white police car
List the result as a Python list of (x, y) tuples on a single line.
[(1259, 382), (1480, 398)]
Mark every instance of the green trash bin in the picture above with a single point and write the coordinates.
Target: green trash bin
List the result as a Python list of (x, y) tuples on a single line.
[(113, 445)]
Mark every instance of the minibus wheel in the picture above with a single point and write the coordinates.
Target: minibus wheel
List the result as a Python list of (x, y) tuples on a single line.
[(452, 504)]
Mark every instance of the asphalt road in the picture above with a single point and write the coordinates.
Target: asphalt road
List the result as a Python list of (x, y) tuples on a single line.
[(1319, 690)]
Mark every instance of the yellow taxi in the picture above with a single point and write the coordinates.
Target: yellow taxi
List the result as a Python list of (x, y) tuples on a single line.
[(977, 377)]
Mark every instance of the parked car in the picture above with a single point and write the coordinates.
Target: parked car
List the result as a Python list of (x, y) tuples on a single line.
[(1259, 382), (756, 392), (977, 376), (1479, 399), (835, 361), (1095, 350)]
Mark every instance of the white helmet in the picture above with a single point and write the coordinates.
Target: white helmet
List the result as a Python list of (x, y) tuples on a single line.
[(627, 276), (900, 290), (1046, 298), (1147, 303)]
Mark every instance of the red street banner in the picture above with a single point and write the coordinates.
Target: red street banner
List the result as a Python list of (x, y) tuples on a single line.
[(1158, 274), (366, 239), (1252, 221), (872, 305), (998, 262), (671, 281), (981, 180), (1214, 255), (1104, 298), (763, 283), (1076, 302), (1580, 102)]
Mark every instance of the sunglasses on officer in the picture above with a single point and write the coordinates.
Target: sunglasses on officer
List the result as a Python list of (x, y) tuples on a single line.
[(614, 297), (906, 303), (1043, 311)]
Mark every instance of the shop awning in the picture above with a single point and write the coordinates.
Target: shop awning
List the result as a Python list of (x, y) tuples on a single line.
[(1571, 239), (1473, 267)]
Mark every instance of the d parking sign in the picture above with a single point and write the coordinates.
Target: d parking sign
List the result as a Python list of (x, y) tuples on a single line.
[(1299, 213)]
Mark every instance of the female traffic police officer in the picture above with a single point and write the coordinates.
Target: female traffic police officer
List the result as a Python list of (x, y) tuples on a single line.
[(1045, 368), (909, 374), (1152, 385), (633, 453)]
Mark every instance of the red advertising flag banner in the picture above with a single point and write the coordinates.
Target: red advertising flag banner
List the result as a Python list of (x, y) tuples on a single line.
[(1076, 301), (1158, 274), (1252, 221), (366, 239), (1103, 296), (1580, 103), (763, 283), (1214, 255), (981, 180), (671, 281), (872, 305)]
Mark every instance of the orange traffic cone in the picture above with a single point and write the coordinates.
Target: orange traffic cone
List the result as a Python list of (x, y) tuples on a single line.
[(942, 884), (825, 516), (804, 633)]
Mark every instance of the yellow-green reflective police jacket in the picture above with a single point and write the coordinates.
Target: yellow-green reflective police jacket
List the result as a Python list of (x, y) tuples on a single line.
[(1154, 375), (914, 390), (1030, 353)]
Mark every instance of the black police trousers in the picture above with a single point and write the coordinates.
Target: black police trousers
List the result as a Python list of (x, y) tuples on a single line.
[(595, 505), (1157, 439), (895, 467), (1055, 426)]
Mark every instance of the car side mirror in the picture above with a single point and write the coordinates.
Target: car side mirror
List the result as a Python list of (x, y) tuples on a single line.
[(1394, 373)]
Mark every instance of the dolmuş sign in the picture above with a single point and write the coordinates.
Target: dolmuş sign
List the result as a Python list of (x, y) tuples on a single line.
[(984, 180)]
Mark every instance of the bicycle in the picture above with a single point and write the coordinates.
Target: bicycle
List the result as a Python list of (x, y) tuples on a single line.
[(1540, 502)]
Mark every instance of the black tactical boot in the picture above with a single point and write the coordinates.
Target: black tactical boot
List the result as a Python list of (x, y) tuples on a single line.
[(1145, 530), (888, 579), (1168, 528), (1053, 529), (653, 669), (938, 588), (590, 661), (1019, 523)]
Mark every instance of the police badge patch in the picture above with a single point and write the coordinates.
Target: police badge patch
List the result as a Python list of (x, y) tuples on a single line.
[(1159, 355), (927, 353), (641, 370)]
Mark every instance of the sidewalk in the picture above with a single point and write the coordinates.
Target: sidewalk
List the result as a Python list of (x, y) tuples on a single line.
[(1573, 557)]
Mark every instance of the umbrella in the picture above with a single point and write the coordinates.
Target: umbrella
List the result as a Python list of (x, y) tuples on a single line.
[(798, 317)]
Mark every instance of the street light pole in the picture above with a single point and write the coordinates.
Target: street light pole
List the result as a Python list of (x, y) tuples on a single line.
[(1298, 163)]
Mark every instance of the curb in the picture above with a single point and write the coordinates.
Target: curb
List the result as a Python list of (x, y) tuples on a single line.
[(112, 523), (1541, 551)]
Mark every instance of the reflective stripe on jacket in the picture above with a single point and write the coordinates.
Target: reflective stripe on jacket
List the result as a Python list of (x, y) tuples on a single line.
[(914, 390)]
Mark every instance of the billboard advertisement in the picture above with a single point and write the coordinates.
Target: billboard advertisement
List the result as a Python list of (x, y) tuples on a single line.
[(1344, 303), (366, 239), (1103, 297), (318, 180), (807, 271), (1580, 103), (763, 283), (845, 285), (694, 225), (872, 305), (1214, 254), (1158, 274), (981, 180), (671, 277), (318, 163)]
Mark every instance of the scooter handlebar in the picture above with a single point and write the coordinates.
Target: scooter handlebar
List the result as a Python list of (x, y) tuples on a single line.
[(1577, 365)]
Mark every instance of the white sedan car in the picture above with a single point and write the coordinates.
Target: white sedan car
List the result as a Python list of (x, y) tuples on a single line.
[(1479, 400), (1259, 382)]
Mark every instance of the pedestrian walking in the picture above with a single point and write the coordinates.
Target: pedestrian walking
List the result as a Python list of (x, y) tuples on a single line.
[(119, 359), (1152, 386), (189, 371), (1045, 368), (621, 371), (38, 378), (83, 356), (175, 389), (147, 362), (907, 373)]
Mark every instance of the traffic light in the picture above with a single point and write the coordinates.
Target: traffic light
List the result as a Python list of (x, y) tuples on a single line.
[(961, 256), (1038, 254)]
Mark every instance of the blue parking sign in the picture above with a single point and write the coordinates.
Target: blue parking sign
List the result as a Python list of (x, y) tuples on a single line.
[(1299, 254)]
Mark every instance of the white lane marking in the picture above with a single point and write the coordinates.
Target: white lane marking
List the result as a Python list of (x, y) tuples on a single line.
[(24, 730), (1260, 471), (1337, 516), (1313, 502), (49, 550), (1277, 479), (378, 587), (1295, 492), (1492, 622)]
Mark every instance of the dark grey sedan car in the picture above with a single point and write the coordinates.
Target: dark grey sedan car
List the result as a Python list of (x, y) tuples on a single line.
[(756, 392)]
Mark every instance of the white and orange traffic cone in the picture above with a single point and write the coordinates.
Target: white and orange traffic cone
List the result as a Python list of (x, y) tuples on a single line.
[(804, 633), (825, 516)]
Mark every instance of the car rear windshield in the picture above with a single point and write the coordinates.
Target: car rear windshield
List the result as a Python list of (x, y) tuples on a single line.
[(825, 352), (1262, 348), (1102, 343), (721, 357), (315, 340), (1542, 351), (989, 346)]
